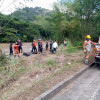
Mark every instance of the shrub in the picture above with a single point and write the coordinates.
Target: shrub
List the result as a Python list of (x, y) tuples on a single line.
[(3, 59), (50, 62)]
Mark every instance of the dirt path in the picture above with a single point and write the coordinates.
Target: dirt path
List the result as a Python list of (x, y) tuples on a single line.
[(45, 71)]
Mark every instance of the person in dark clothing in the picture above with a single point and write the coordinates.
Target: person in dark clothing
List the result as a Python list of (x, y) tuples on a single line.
[(41, 47), (47, 45), (50, 45), (20, 46), (11, 49), (38, 45)]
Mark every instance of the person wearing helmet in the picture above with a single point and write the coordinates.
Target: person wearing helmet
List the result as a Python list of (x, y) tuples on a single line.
[(87, 47), (16, 48), (34, 47)]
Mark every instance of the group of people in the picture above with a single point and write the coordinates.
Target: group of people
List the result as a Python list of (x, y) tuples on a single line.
[(53, 46), (17, 48)]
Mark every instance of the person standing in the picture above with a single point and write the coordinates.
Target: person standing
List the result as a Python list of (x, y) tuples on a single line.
[(20, 46), (34, 47), (87, 47), (11, 49), (55, 45), (47, 45), (50, 45), (65, 43), (16, 49), (41, 47)]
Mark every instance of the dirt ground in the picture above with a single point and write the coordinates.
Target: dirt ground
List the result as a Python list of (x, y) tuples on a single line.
[(44, 71)]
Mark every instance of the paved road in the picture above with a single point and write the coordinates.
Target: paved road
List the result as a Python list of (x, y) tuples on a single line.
[(87, 87)]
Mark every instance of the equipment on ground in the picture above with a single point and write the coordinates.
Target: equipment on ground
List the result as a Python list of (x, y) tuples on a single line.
[(27, 54)]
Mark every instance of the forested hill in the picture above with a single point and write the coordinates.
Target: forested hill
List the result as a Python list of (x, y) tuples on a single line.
[(25, 24), (29, 14), (70, 20)]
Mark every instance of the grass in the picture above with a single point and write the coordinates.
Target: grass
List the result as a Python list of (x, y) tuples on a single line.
[(50, 62), (39, 65), (13, 72), (3, 60), (47, 63), (71, 48), (21, 70)]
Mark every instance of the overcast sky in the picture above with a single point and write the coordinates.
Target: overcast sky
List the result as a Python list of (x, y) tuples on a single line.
[(8, 6)]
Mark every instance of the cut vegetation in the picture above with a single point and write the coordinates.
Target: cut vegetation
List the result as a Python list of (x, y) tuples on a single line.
[(33, 75)]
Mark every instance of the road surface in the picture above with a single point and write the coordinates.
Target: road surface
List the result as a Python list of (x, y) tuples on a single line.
[(87, 87)]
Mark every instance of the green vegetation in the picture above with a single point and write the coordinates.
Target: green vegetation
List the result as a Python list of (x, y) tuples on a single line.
[(30, 14), (50, 62), (71, 19), (12, 73), (3, 60)]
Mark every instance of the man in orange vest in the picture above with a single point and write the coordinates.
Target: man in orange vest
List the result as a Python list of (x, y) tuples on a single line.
[(87, 47), (16, 48), (34, 47)]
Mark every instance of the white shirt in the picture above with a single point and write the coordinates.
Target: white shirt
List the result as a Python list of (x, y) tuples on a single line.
[(55, 45), (88, 46)]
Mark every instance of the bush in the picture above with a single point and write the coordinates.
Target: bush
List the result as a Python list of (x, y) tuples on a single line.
[(3, 59), (71, 47), (50, 62)]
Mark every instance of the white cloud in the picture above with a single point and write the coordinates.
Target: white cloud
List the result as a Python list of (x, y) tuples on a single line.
[(9, 6)]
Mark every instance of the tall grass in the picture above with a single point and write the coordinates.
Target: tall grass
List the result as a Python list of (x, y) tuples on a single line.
[(50, 62), (3, 60), (12, 73), (71, 47)]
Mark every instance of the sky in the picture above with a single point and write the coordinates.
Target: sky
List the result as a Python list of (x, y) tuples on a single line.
[(8, 6)]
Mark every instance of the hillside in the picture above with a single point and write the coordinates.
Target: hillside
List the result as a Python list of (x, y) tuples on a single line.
[(29, 14)]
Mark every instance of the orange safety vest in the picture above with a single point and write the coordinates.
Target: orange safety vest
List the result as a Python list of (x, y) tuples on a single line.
[(34, 44), (16, 49)]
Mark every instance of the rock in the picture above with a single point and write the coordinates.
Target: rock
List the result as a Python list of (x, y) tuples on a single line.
[(37, 76), (69, 63)]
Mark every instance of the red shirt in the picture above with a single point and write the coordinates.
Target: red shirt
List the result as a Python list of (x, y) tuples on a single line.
[(34, 44), (16, 47)]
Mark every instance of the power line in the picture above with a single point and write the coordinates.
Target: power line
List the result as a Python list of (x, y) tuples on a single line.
[(7, 6), (5, 26), (10, 19)]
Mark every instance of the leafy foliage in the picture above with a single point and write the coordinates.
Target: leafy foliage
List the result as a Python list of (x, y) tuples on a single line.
[(71, 19)]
